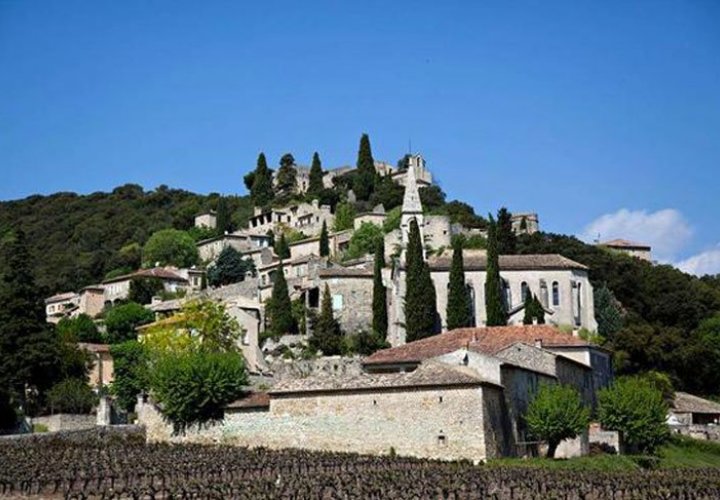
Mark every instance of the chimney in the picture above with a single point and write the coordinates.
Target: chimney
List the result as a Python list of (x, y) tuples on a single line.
[(538, 343)]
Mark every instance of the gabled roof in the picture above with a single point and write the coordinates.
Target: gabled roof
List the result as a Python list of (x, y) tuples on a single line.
[(620, 243), (687, 403), (345, 272), (485, 340), (156, 272), (474, 260), (60, 297), (429, 374)]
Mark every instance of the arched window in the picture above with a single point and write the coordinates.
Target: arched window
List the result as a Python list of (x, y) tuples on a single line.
[(471, 305), (524, 290), (556, 293), (507, 295), (543, 293)]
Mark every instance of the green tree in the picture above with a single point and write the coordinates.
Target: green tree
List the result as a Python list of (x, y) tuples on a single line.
[(142, 290), (506, 239), (635, 408), (315, 184), (326, 336), (170, 247), (529, 310), (324, 241), (127, 259), (223, 223), (539, 311), (80, 328), (494, 304), (229, 267), (344, 217), (431, 197), (420, 301), (260, 183), (458, 312), (72, 395), (193, 388), (122, 320), (364, 180), (282, 249), (287, 175), (364, 241), (388, 193), (607, 312), (556, 413), (130, 376), (379, 303), (279, 309)]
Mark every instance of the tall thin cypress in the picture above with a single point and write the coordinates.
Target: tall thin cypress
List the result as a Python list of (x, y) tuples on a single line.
[(529, 310), (324, 241), (458, 306), (282, 249), (380, 313), (506, 239), (364, 183), (262, 187), (222, 217), (280, 310), (327, 335), (420, 303), (494, 305), (315, 182)]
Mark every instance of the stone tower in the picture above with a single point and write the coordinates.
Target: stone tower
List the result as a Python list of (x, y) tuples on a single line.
[(411, 209)]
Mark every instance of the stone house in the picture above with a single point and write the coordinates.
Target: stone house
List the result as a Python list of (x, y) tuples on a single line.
[(376, 217), (102, 371), (173, 279), (61, 305), (687, 409), (307, 218), (241, 241), (525, 223), (631, 248), (337, 241), (206, 219)]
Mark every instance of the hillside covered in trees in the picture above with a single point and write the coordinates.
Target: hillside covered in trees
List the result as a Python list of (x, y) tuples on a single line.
[(75, 240)]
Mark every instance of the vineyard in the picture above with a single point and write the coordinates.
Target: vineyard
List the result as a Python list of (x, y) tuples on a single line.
[(126, 469)]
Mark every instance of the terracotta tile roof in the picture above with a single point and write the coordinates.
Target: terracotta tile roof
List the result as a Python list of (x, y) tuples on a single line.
[(104, 348), (252, 400), (345, 272), (478, 261), (620, 243), (687, 403), (486, 340), (59, 297), (156, 272), (428, 374)]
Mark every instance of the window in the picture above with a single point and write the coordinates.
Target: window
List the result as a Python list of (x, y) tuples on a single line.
[(507, 295), (337, 302), (524, 290), (471, 299), (543, 293), (556, 293)]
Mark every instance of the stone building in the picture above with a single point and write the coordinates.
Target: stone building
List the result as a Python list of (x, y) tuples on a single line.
[(60, 306), (307, 218), (687, 409), (173, 280), (102, 371), (90, 301), (525, 223), (631, 248), (242, 241), (338, 242), (206, 220)]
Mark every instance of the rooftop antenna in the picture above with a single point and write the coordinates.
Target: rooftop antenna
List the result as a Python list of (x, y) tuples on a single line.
[(409, 146), (597, 241)]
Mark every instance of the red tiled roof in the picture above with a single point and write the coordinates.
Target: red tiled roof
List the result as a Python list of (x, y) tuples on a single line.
[(60, 297), (474, 260), (94, 347), (252, 400), (486, 340), (620, 243), (156, 272)]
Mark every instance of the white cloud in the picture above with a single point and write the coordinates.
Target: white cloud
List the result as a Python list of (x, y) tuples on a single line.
[(666, 231), (707, 262)]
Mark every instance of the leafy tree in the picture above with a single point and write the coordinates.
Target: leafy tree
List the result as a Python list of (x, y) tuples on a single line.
[(344, 217), (506, 239), (431, 197), (392, 220), (388, 193), (404, 163), (326, 336), (529, 308), (324, 241), (379, 303), (556, 413), (193, 388), (128, 258), (364, 181), (223, 223), (459, 314), (315, 184), (260, 183), (229, 267), (607, 312), (287, 175), (494, 304), (279, 310), (80, 328), (201, 325), (364, 241), (363, 343), (130, 372), (462, 213), (72, 395), (420, 301), (170, 247), (474, 241), (142, 290), (282, 249), (634, 407), (329, 197), (122, 320)]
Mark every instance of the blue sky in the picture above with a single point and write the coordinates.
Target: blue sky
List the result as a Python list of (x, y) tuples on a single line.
[(601, 116)]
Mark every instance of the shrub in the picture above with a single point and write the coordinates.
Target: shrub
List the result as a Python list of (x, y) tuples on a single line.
[(122, 320), (130, 374), (364, 241), (634, 407), (72, 395), (556, 413), (79, 329), (194, 387), (170, 247), (142, 290)]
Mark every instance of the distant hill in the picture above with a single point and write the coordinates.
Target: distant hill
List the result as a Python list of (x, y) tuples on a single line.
[(74, 239)]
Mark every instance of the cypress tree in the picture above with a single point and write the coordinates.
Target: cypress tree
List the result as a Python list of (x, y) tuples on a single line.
[(287, 175), (529, 310), (420, 304), (282, 249), (494, 305), (380, 313), (364, 182), (539, 311), (222, 217), (327, 336), (315, 184), (458, 306), (324, 241), (280, 310), (506, 239), (262, 193)]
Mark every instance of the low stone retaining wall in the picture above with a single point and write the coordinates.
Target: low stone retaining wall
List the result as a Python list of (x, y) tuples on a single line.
[(66, 422), (134, 433), (705, 432)]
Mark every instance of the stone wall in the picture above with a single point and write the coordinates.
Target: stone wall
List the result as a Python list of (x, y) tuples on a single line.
[(439, 423), (355, 303), (705, 432), (329, 365), (65, 422)]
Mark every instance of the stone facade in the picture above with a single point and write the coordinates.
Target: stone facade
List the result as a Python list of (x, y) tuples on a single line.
[(241, 241), (525, 223), (307, 218), (65, 422), (631, 248), (351, 295), (207, 220)]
